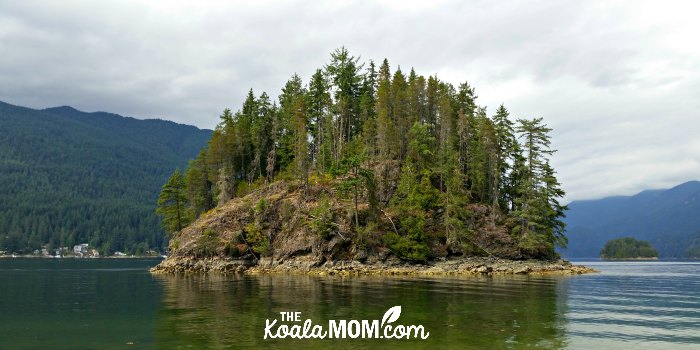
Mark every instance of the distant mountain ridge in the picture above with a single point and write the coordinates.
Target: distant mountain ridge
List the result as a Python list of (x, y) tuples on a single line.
[(669, 219), (69, 177)]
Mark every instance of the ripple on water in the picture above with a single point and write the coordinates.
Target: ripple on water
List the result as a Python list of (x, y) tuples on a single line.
[(631, 305)]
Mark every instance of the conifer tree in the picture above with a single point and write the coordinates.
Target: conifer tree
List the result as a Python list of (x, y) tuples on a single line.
[(399, 112), (356, 178), (538, 227), (414, 197), (291, 92), (301, 144), (344, 72), (507, 151), (386, 134), (368, 111), (319, 101), (415, 97), (431, 106), (198, 185), (172, 204), (261, 129)]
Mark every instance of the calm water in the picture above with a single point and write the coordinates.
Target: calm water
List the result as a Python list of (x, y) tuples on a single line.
[(117, 304)]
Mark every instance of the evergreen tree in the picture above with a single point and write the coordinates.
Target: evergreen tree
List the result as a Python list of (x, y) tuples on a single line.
[(301, 144), (414, 198), (356, 178), (172, 204), (261, 129), (552, 192), (368, 111), (289, 99), (399, 112), (198, 186), (431, 106), (386, 133), (344, 72), (319, 101), (538, 227), (507, 151)]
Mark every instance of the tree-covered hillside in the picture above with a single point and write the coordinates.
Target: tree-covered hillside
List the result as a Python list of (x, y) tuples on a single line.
[(69, 177), (421, 169)]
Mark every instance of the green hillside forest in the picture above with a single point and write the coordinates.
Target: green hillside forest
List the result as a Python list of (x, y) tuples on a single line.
[(421, 168), (69, 177), (628, 248)]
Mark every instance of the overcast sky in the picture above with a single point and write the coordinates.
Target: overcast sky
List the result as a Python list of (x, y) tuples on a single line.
[(619, 82)]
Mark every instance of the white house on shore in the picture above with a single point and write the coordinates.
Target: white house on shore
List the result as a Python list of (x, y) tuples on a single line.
[(80, 249)]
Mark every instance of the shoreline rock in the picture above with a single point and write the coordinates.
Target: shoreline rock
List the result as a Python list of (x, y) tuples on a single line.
[(308, 266)]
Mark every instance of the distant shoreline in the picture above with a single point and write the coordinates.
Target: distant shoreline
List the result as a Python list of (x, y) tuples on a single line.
[(630, 259), (78, 257)]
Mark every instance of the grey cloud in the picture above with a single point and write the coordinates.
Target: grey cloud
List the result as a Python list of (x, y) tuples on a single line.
[(611, 78)]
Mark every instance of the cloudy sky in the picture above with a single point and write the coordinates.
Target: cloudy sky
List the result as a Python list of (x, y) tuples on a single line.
[(618, 81)]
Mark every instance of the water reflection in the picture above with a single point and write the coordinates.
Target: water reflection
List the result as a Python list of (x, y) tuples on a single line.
[(77, 304), (470, 313)]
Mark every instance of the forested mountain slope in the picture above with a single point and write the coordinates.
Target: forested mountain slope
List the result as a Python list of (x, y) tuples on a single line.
[(70, 177)]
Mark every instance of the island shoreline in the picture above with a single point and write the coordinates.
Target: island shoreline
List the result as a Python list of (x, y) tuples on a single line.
[(305, 266)]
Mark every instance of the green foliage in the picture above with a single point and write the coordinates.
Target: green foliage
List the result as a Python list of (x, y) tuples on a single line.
[(209, 232), (286, 211), (207, 243), (414, 199), (172, 204), (628, 248), (198, 186), (537, 208), (356, 179), (322, 221), (174, 244), (256, 238), (406, 247), (255, 234), (368, 236)]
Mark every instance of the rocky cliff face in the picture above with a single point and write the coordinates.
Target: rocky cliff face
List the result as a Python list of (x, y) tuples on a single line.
[(274, 222)]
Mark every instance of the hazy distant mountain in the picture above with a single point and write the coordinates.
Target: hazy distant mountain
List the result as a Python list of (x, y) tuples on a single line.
[(668, 219), (69, 177)]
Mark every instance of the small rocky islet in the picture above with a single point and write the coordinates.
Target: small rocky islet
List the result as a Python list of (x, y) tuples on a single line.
[(218, 242), (368, 172)]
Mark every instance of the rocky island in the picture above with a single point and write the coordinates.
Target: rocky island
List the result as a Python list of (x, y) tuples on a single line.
[(218, 242), (365, 171)]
